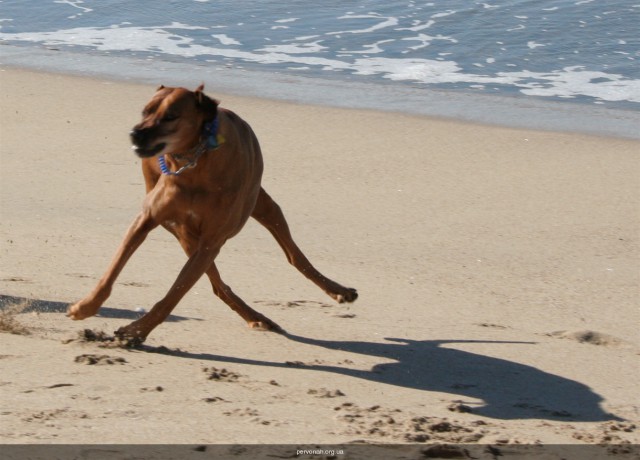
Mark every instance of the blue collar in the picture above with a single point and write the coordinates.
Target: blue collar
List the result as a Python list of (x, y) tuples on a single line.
[(210, 140), (211, 133)]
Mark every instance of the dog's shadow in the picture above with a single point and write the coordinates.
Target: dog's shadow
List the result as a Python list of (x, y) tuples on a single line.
[(500, 388), (51, 306)]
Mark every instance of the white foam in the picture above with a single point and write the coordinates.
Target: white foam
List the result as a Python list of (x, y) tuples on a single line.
[(388, 22), (531, 44), (444, 14), (418, 26), (568, 82), (422, 70), (75, 4), (226, 40), (425, 40), (303, 38), (295, 48), (373, 48), (574, 82)]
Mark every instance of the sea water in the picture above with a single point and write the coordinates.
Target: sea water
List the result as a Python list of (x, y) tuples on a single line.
[(550, 64)]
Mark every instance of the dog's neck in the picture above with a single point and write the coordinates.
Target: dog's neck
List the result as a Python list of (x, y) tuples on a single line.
[(210, 140)]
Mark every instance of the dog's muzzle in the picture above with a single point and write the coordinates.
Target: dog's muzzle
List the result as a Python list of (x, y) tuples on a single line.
[(142, 143)]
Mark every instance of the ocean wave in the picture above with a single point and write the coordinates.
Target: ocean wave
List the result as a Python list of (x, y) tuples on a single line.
[(569, 49), (567, 82)]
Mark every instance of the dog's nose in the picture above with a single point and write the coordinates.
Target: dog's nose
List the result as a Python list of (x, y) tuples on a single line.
[(136, 136)]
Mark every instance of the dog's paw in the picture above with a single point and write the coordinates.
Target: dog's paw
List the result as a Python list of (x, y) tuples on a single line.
[(265, 324), (82, 310), (130, 336), (348, 295)]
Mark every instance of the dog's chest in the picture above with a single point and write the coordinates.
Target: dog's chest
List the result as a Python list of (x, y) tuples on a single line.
[(187, 227), (181, 210), (186, 218), (212, 209)]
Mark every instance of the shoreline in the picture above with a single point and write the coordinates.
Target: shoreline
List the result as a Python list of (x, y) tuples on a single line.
[(496, 267), (517, 112)]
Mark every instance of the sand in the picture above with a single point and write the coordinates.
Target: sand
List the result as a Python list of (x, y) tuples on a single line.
[(497, 270)]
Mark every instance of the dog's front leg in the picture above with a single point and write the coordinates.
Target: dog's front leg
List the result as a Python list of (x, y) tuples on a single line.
[(193, 270), (134, 237)]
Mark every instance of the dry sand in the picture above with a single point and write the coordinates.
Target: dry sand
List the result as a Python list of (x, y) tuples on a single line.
[(497, 270)]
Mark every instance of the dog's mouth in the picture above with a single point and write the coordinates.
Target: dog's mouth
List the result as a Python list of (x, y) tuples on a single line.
[(146, 152)]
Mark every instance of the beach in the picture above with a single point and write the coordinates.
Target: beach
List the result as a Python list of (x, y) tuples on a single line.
[(497, 272)]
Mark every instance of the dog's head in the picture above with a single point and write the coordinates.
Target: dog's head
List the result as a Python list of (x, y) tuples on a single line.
[(173, 121)]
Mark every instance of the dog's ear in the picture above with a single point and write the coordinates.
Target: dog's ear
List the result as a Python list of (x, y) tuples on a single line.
[(208, 105), (160, 87)]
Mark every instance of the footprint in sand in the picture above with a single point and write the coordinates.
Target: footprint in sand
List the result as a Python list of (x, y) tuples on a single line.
[(246, 412), (135, 284), (254, 414), (345, 315), (15, 279), (491, 325), (99, 359), (221, 375), (155, 389), (620, 434), (588, 336), (324, 393), (294, 303), (392, 424), (214, 399)]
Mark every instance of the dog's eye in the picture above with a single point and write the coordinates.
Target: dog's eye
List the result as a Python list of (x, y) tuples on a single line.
[(169, 117)]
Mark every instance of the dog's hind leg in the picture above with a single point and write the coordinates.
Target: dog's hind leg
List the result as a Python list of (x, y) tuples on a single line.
[(134, 237), (254, 319), (269, 214)]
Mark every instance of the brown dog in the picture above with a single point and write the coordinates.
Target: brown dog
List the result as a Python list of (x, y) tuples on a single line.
[(202, 167)]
